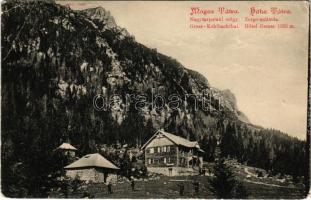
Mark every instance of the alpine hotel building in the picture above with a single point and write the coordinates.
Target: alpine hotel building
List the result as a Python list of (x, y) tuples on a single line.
[(172, 155)]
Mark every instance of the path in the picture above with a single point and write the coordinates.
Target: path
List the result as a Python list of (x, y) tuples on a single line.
[(269, 184), (262, 183), (249, 173)]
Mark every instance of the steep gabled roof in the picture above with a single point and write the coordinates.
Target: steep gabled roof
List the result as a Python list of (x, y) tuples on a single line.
[(179, 140), (175, 139), (92, 160), (67, 146)]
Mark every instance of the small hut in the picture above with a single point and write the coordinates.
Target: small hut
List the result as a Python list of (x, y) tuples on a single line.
[(92, 167), (67, 150)]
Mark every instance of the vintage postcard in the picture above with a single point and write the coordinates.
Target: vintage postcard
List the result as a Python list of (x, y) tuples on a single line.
[(155, 99)]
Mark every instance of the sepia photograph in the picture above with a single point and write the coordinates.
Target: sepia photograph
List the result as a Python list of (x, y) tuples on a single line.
[(155, 99)]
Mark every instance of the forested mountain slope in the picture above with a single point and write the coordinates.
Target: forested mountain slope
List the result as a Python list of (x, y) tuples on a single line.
[(56, 60)]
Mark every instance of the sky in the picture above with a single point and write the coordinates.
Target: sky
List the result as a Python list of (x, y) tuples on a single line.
[(266, 69)]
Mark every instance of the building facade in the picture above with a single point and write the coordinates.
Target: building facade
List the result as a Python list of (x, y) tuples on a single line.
[(172, 155)]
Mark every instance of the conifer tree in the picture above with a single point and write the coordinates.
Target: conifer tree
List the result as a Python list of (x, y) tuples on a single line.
[(223, 183)]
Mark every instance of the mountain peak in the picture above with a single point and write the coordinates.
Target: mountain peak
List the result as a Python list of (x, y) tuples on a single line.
[(99, 13)]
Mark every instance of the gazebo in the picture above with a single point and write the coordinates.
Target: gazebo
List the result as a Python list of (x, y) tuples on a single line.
[(67, 149)]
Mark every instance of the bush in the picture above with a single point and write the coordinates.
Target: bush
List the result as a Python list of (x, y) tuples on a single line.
[(259, 174)]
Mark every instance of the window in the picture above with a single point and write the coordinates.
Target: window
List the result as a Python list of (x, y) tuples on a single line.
[(164, 149), (168, 148), (164, 160), (151, 150), (149, 161), (169, 159), (159, 149)]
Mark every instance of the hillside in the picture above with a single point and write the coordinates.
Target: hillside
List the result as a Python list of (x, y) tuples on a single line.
[(56, 60), (78, 55)]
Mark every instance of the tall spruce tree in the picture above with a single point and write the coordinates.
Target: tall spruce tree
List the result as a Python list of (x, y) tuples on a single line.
[(223, 183)]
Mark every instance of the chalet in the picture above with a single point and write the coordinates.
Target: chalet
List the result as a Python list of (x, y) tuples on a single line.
[(92, 167), (172, 155)]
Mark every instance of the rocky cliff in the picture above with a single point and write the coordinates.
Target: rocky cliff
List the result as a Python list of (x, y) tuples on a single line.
[(84, 53)]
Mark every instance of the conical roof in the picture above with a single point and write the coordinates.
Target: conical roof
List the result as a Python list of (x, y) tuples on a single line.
[(92, 160), (67, 146)]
